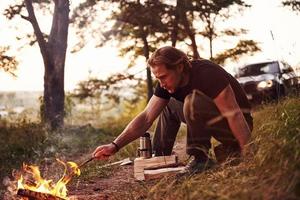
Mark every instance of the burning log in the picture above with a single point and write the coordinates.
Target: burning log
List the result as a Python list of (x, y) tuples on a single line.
[(32, 195), (41, 189)]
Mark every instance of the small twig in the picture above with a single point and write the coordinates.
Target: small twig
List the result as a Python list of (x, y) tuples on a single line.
[(26, 18)]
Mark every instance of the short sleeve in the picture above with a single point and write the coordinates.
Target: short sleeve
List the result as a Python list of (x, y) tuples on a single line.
[(161, 92), (214, 81)]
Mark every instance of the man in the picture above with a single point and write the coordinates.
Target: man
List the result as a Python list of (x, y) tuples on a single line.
[(199, 93)]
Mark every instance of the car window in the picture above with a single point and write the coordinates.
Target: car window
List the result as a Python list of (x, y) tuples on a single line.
[(258, 69), (273, 68)]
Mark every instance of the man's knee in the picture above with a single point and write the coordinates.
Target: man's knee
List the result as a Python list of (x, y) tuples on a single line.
[(193, 104)]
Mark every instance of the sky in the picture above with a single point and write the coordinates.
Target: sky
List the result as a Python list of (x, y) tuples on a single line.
[(264, 17)]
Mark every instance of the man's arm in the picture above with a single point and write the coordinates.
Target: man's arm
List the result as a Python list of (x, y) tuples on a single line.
[(230, 109), (136, 128), (141, 123)]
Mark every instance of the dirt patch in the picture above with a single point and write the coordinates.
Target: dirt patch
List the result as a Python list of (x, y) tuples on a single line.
[(120, 185)]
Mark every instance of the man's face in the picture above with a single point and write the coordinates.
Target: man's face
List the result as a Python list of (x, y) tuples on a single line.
[(169, 79)]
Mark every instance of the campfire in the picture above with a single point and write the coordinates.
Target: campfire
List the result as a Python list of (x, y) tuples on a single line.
[(31, 185)]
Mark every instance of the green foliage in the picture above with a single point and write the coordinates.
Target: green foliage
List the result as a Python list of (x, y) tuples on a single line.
[(18, 143), (294, 4), (19, 5), (132, 21), (244, 47), (7, 63), (110, 87), (42, 109), (69, 105), (140, 26), (129, 110), (18, 8), (14, 10)]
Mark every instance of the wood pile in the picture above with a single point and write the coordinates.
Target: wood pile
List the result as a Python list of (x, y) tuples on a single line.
[(156, 167)]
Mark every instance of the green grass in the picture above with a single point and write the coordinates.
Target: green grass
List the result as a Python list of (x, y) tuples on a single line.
[(271, 169)]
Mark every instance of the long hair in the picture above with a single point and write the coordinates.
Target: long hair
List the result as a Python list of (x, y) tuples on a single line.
[(170, 57)]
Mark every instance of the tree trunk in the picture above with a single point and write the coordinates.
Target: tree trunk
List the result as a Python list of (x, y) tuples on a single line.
[(54, 54), (194, 47), (189, 31), (174, 33), (210, 37), (191, 35), (54, 94), (149, 84), (210, 48), (146, 54)]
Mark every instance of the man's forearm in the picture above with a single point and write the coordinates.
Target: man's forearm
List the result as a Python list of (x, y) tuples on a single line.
[(240, 128), (136, 128)]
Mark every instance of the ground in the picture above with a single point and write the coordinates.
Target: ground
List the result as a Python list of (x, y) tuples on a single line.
[(119, 185), (112, 187)]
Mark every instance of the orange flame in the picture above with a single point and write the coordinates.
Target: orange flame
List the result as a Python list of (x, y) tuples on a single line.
[(47, 186)]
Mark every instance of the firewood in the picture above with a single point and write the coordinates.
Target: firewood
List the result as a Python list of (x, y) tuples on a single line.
[(158, 173), (32, 195), (140, 164)]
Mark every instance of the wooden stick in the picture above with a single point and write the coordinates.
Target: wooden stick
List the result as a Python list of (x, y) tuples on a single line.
[(69, 176), (32, 195), (85, 162)]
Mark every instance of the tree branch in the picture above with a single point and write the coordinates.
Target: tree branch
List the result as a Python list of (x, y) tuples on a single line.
[(26, 18), (37, 31)]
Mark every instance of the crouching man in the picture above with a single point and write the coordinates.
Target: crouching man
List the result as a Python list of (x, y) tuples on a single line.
[(199, 93)]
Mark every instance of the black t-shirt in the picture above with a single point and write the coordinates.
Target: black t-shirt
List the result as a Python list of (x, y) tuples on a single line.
[(210, 79)]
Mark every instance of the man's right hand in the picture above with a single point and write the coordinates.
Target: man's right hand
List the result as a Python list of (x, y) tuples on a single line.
[(103, 152)]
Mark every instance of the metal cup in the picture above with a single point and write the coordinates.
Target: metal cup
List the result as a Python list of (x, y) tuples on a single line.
[(145, 149)]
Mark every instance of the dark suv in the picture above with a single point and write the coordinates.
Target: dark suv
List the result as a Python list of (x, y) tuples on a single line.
[(267, 80)]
